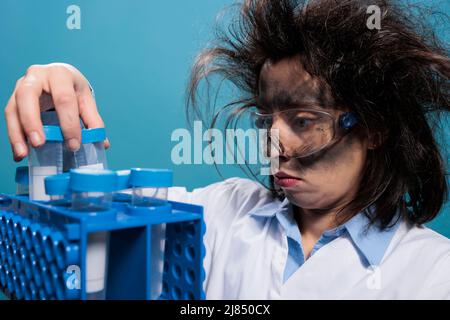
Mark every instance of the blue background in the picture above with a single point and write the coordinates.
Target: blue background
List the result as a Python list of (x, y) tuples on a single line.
[(137, 56)]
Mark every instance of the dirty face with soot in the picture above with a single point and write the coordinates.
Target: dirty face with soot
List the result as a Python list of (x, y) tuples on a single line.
[(327, 180)]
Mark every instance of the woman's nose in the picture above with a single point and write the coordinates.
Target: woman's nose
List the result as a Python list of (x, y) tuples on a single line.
[(282, 141)]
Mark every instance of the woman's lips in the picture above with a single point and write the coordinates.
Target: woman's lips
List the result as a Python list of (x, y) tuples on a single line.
[(286, 181)]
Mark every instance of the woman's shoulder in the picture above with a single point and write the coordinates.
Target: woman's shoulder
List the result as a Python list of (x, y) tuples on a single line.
[(433, 250), (233, 194), (237, 193), (425, 244), (429, 238), (245, 187)]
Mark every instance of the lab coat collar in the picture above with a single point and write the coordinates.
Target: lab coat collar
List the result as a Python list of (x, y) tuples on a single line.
[(370, 241), (271, 209)]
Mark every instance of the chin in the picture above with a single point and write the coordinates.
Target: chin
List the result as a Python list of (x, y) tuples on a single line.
[(303, 200)]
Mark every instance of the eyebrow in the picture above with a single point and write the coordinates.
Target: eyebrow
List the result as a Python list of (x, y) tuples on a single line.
[(283, 99)]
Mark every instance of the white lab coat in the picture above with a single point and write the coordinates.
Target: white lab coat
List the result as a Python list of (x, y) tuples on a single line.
[(246, 255)]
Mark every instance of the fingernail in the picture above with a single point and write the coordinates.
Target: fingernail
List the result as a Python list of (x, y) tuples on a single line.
[(35, 139), (19, 149), (73, 144)]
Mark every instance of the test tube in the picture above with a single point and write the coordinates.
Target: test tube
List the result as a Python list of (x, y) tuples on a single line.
[(150, 186), (150, 189), (45, 161), (54, 158), (91, 153), (22, 181), (92, 191), (57, 187)]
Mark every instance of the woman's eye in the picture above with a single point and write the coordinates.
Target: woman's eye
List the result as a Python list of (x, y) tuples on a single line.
[(303, 123)]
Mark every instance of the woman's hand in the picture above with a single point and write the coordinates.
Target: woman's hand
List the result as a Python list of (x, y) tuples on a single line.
[(43, 87)]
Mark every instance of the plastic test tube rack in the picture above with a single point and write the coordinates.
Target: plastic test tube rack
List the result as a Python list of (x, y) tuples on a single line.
[(43, 250)]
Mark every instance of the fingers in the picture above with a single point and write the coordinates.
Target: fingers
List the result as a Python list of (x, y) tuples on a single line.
[(26, 97), (40, 88), (15, 133), (88, 110), (61, 85), (106, 143), (89, 113)]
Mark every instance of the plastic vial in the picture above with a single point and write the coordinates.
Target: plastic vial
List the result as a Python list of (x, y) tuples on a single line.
[(91, 153), (54, 158), (150, 189), (22, 181), (150, 186), (57, 188), (92, 191), (45, 161)]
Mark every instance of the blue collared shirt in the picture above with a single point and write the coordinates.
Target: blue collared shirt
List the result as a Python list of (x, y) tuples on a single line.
[(371, 243)]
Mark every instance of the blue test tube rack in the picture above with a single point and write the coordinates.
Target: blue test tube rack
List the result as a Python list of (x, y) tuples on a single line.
[(41, 247)]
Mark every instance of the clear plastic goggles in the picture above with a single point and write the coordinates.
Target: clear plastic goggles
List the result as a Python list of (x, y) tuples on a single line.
[(310, 130)]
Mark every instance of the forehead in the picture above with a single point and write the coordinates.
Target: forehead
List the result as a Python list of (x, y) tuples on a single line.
[(286, 84)]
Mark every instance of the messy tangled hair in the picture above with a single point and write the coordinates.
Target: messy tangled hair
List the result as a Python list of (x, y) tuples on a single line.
[(395, 79)]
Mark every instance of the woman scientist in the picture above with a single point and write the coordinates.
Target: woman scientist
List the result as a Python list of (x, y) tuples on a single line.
[(359, 168)]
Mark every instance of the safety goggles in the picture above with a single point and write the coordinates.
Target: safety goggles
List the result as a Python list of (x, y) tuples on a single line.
[(310, 130)]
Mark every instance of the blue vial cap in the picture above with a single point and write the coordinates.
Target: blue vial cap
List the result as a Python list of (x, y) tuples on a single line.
[(93, 180), (22, 175), (57, 185), (154, 178), (123, 177), (93, 135), (54, 134)]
